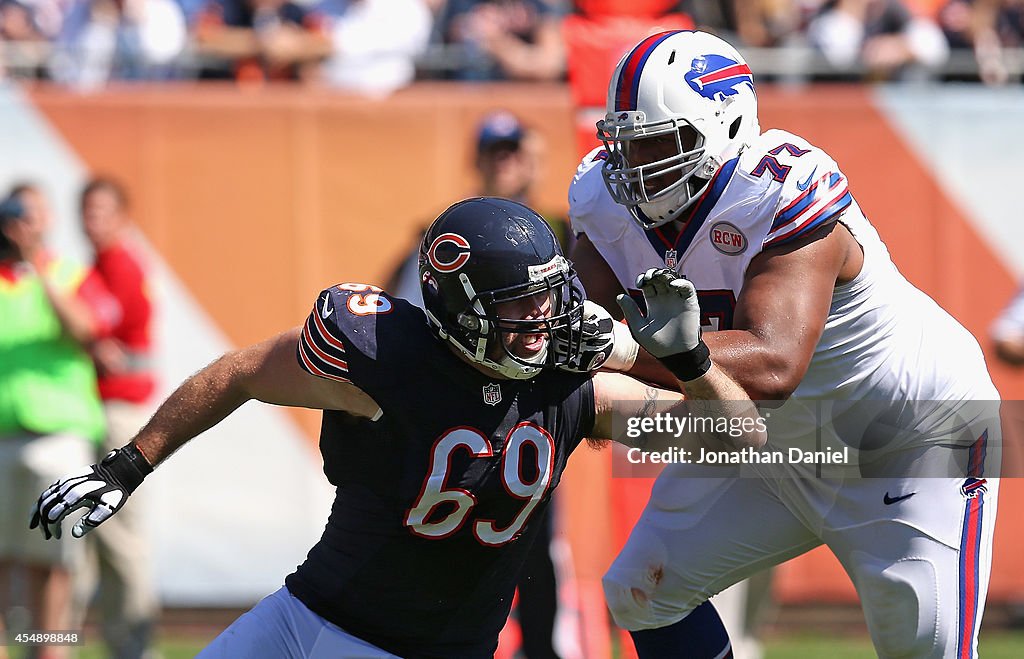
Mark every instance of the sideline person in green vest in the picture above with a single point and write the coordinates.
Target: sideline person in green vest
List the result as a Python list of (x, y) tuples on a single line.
[(50, 412)]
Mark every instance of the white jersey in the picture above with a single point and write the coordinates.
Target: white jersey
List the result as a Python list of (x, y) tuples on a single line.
[(884, 340)]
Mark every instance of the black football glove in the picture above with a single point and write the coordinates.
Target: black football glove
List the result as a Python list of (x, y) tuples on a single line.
[(601, 340), (101, 488)]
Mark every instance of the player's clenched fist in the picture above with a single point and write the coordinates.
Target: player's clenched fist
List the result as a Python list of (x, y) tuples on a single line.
[(100, 488), (671, 329)]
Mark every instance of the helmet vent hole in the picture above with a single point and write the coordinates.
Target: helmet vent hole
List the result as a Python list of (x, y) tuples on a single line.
[(735, 127), (672, 57)]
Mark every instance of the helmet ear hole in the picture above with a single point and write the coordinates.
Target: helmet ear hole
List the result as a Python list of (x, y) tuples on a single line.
[(734, 129)]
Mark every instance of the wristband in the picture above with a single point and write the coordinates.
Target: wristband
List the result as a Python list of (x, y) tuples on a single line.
[(624, 349), (128, 466), (688, 365)]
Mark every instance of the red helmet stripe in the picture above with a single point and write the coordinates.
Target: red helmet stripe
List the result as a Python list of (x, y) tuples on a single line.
[(629, 77), (722, 74)]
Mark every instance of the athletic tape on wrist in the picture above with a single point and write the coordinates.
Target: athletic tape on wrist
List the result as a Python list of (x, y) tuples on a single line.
[(624, 349)]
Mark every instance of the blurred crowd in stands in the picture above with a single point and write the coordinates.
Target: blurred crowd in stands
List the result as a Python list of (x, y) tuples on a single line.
[(377, 46)]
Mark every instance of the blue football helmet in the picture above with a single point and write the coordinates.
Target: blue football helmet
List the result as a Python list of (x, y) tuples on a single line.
[(486, 251)]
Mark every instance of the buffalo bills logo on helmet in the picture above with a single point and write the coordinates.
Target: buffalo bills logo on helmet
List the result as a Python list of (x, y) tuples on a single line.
[(448, 252), (714, 75)]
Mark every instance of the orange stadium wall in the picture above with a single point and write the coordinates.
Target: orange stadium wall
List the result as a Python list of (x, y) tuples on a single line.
[(257, 199)]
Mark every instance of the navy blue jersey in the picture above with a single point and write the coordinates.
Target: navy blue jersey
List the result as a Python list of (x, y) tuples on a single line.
[(438, 498)]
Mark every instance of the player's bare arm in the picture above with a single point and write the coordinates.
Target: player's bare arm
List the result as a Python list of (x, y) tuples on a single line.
[(267, 371), (780, 314), (713, 394), (670, 330), (782, 310)]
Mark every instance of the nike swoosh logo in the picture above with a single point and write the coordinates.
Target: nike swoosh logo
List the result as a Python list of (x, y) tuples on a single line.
[(888, 500), (325, 312), (806, 182)]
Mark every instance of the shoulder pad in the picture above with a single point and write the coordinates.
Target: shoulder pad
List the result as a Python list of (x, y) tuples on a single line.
[(809, 189), (592, 211), (342, 324)]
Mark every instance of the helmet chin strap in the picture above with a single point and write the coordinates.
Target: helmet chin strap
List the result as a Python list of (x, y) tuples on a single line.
[(511, 368), (506, 366)]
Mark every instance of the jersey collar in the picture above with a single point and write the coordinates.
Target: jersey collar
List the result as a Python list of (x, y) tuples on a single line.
[(661, 237)]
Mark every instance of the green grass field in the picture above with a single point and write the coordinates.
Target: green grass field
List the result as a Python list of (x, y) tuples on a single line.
[(994, 645)]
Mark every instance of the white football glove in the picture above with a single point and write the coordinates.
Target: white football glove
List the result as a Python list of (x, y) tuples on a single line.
[(603, 343), (100, 488), (671, 329)]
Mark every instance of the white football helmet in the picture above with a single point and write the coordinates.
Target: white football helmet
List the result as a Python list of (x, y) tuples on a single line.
[(688, 85)]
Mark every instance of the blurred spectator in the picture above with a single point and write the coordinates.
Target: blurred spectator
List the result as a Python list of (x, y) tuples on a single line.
[(123, 360), (23, 45), (506, 165), (505, 39), (374, 43), (1008, 332), (882, 36), (255, 40), (49, 409), (765, 23), (635, 9), (928, 8), (757, 23), (988, 27), (105, 40), (957, 22)]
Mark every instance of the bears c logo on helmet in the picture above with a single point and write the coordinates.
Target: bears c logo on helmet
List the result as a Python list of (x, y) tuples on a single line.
[(448, 252)]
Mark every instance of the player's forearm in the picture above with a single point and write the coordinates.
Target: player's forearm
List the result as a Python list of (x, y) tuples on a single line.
[(649, 369), (747, 360), (716, 395), (200, 403), (716, 416), (759, 369)]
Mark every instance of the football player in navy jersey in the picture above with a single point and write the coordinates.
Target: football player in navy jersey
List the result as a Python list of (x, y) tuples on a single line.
[(444, 434)]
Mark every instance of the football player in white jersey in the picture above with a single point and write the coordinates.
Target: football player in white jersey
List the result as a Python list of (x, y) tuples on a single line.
[(802, 304)]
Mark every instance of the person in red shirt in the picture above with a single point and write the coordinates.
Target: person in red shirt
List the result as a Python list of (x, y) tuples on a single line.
[(126, 383), (50, 415)]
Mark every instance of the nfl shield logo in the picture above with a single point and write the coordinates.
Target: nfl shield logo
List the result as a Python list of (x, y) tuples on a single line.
[(492, 394), (670, 258)]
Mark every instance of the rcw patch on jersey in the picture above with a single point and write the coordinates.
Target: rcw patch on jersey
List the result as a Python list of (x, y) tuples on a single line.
[(727, 239), (711, 75)]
